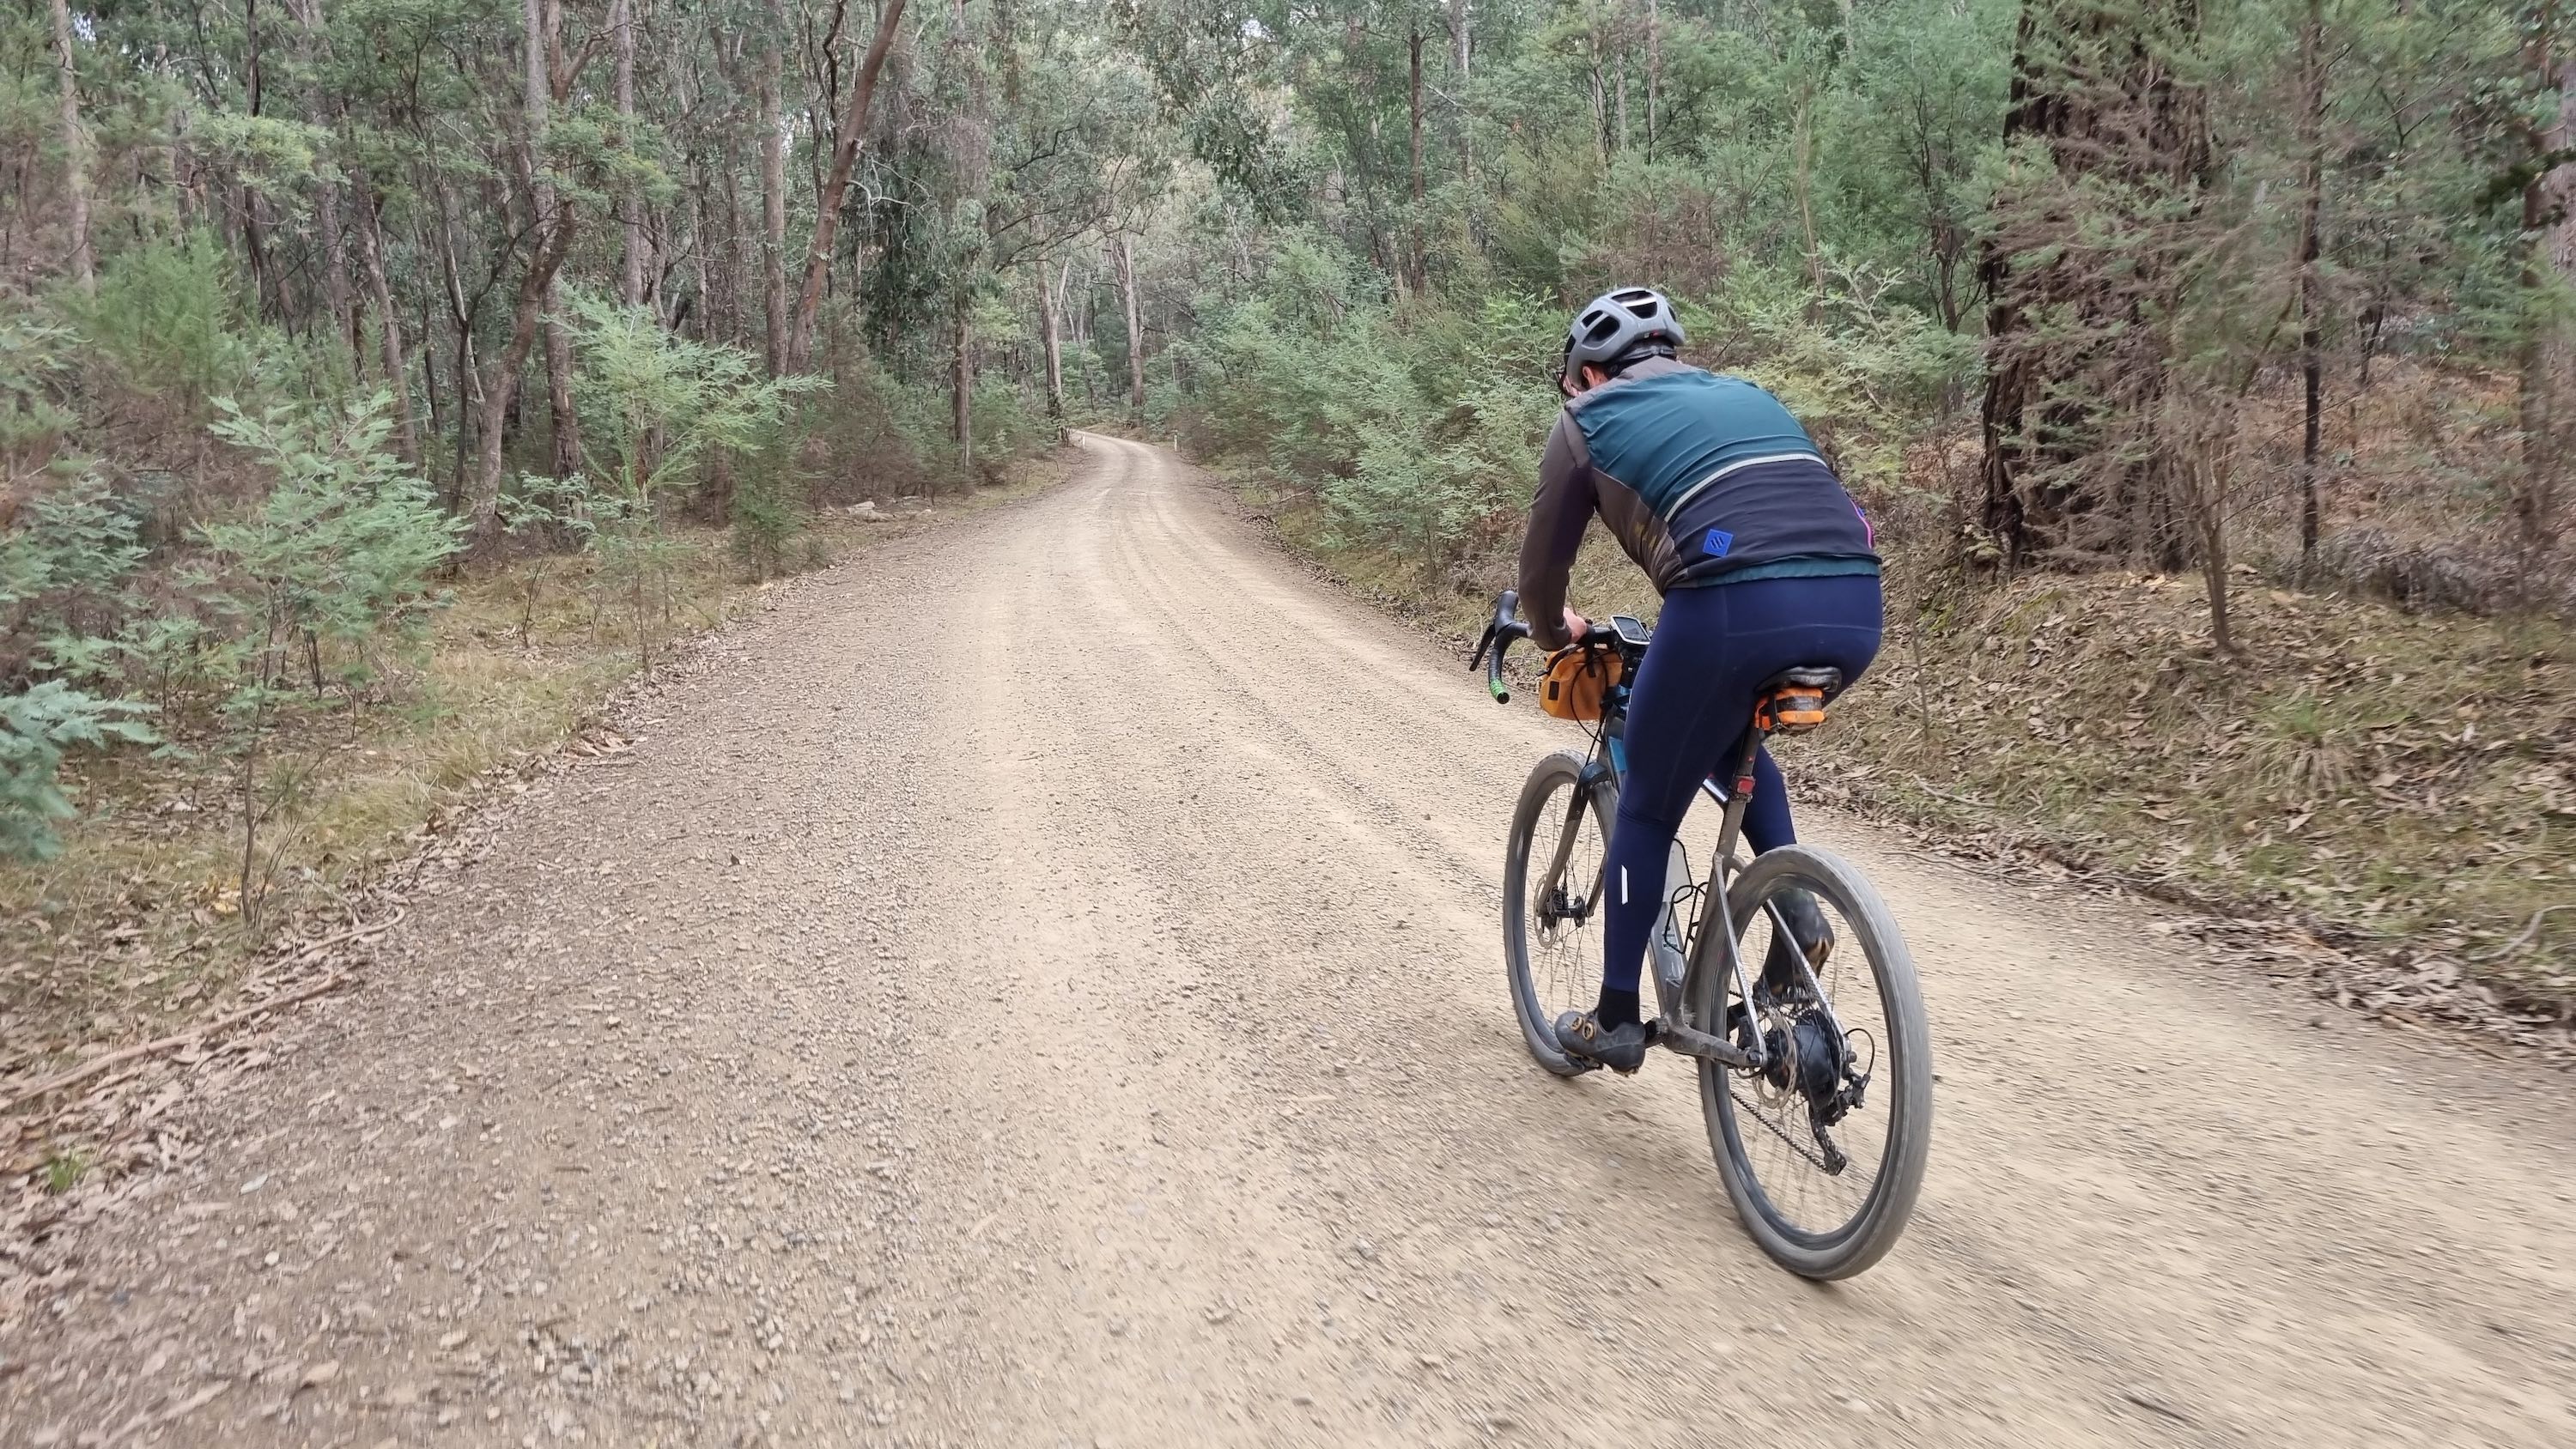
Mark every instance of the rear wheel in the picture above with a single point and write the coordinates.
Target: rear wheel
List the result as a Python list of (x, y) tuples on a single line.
[(1552, 927), (1822, 1154)]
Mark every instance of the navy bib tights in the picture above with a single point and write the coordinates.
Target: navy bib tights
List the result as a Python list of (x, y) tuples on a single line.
[(1693, 701)]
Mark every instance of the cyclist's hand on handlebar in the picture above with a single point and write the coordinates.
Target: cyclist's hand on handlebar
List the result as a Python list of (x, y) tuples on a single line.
[(1576, 626)]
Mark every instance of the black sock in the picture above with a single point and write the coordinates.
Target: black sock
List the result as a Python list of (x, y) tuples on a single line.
[(1617, 1009)]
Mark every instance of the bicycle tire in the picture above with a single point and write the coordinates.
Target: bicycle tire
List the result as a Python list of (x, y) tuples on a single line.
[(1562, 770), (1874, 1229)]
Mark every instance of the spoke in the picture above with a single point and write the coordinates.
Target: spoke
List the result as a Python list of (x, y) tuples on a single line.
[(1564, 929), (1815, 1183)]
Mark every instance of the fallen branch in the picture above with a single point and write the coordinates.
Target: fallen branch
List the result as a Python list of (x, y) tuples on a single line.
[(313, 949), (202, 1030), (2529, 931)]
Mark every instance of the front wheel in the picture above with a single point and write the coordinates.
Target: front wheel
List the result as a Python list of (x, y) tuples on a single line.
[(1552, 927), (1822, 1153)]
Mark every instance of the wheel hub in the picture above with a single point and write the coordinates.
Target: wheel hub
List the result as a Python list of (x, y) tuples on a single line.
[(1809, 1058)]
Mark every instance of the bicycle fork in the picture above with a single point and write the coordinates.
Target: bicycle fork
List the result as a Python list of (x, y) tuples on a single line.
[(1551, 887)]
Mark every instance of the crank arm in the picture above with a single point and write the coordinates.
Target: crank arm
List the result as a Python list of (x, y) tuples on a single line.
[(1692, 1042)]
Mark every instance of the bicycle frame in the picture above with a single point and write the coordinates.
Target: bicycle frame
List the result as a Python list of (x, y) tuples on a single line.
[(1673, 1028)]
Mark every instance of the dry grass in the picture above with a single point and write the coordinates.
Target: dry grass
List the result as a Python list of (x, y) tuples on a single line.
[(140, 919), (2407, 782)]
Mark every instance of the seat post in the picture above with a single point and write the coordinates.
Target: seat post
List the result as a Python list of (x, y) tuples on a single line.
[(1753, 734)]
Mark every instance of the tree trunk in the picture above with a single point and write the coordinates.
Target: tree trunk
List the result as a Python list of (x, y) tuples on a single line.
[(961, 383), (75, 152), (1051, 309), (1600, 99), (1654, 70), (630, 205), (270, 290), (1126, 258), (827, 214), (1460, 31), (335, 270), (2543, 355), (554, 238), (734, 268), (326, 112), (2312, 103), (697, 252), (437, 420), (268, 293), (564, 415), (563, 419), (1803, 147), (1421, 263), (468, 389), (468, 375), (2212, 487), (483, 513), (1619, 97), (388, 322), (773, 198), (2110, 100)]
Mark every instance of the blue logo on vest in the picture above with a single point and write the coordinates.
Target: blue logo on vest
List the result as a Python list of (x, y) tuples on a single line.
[(1717, 543)]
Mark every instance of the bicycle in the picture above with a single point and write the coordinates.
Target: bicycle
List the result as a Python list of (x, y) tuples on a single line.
[(1780, 1074)]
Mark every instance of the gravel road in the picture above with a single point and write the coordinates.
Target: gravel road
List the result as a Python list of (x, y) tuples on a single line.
[(1038, 984)]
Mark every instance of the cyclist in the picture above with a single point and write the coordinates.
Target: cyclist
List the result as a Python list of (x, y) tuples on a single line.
[(1764, 562)]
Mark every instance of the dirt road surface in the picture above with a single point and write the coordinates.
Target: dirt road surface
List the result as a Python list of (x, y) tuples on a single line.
[(1040, 986)]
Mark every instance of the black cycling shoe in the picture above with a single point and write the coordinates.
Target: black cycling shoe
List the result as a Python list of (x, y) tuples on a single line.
[(1781, 982), (1621, 1048)]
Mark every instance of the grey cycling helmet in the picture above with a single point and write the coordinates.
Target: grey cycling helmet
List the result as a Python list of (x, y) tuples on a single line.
[(1614, 325)]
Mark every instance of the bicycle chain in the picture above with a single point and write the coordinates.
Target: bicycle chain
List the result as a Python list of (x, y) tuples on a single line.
[(1814, 1158)]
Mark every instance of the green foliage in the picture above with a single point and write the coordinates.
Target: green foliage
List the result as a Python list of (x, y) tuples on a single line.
[(1865, 373), (769, 515), (1419, 427), (35, 363), (166, 319), (269, 154), (660, 409), (63, 573), (339, 551), (64, 1167), (36, 726), (1006, 425), (658, 405)]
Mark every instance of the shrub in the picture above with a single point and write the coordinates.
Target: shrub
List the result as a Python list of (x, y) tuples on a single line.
[(165, 320), (339, 552), (36, 726), (663, 407), (63, 575), (769, 509)]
